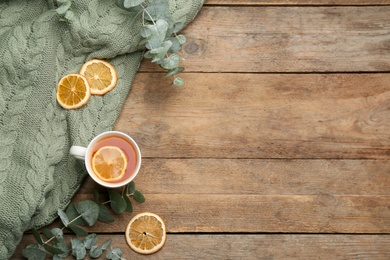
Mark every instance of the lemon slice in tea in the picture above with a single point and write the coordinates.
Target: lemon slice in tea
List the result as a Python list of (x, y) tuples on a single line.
[(109, 163)]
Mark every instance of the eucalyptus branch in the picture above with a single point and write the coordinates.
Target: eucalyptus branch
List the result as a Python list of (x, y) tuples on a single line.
[(86, 212), (159, 35)]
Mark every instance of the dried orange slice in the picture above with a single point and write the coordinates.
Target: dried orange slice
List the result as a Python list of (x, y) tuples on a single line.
[(73, 91), (146, 233), (109, 163), (101, 76)]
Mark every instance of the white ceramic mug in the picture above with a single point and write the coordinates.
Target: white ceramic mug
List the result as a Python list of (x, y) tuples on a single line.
[(86, 154)]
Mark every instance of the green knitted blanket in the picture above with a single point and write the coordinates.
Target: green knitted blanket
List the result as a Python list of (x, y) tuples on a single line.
[(37, 48)]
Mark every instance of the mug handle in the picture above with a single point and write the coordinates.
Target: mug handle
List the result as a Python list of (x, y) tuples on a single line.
[(78, 152)]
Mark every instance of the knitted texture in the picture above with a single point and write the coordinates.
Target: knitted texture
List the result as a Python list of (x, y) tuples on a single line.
[(37, 48)]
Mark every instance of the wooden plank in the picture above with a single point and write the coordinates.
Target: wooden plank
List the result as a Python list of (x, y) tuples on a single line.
[(321, 213), (287, 39), (278, 246), (260, 177), (260, 116), (297, 2)]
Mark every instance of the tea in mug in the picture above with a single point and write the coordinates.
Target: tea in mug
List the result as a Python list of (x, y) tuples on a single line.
[(124, 146)]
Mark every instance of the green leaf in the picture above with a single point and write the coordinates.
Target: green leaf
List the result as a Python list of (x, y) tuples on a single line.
[(178, 81), (131, 188), (96, 252), (53, 250), (175, 44), (78, 249), (64, 248), (158, 33), (47, 233), (138, 196), (104, 214), (106, 244), (58, 234), (174, 71), (171, 62), (34, 254), (132, 3), (74, 215), (78, 230), (89, 211), (114, 254), (90, 240), (118, 203), (159, 10), (129, 206), (96, 195), (63, 216), (181, 38), (37, 236), (145, 32)]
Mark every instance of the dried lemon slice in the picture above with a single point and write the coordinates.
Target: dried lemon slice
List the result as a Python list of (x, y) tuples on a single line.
[(73, 91), (146, 233), (101, 76)]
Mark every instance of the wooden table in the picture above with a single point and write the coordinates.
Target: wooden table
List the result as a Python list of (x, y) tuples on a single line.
[(278, 146)]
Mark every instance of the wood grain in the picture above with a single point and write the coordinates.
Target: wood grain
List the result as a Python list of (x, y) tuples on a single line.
[(322, 213), (259, 177), (373, 247), (260, 116), (287, 39), (297, 2)]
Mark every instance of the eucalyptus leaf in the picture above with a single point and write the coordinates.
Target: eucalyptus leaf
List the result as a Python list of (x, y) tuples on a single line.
[(47, 233), (58, 234), (118, 203), (64, 248), (37, 236), (53, 250), (174, 71), (178, 81), (64, 218), (148, 55), (131, 188), (78, 249), (176, 46), (78, 230), (181, 38), (138, 196), (129, 206), (90, 240), (74, 215), (171, 62), (161, 52), (106, 244), (34, 254), (96, 251), (96, 195), (104, 214), (159, 9), (145, 32), (89, 211), (58, 257), (158, 33), (114, 253), (34, 245)]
